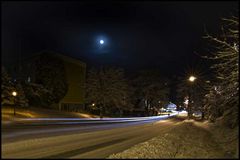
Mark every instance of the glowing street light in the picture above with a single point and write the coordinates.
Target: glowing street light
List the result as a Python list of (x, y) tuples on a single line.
[(14, 93), (192, 78)]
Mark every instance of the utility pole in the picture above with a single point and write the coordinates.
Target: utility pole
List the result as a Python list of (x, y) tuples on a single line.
[(191, 79), (19, 62)]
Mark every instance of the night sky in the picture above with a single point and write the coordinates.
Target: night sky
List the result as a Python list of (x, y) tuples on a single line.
[(137, 35)]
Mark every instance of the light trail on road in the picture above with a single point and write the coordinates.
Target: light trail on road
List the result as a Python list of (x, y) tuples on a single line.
[(94, 119), (94, 144), (27, 130), (20, 140)]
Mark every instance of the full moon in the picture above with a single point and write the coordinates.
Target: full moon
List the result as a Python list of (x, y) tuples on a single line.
[(101, 41)]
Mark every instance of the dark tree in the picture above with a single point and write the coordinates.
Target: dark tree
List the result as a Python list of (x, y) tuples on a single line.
[(151, 89), (37, 95), (21, 99), (225, 55), (107, 89), (212, 104), (194, 92), (7, 88), (50, 73)]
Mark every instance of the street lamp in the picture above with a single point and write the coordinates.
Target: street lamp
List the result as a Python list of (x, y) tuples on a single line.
[(189, 105), (14, 93), (192, 78)]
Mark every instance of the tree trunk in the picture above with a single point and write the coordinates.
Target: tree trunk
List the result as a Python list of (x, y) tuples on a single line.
[(102, 107), (120, 112), (59, 105), (189, 111), (101, 114), (203, 115)]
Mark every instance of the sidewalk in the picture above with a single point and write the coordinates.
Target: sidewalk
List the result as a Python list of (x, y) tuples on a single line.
[(186, 140)]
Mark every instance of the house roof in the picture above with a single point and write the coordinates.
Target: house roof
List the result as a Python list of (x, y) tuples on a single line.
[(61, 56)]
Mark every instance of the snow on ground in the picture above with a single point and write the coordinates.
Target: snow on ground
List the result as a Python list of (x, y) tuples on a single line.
[(7, 113), (227, 138), (189, 139)]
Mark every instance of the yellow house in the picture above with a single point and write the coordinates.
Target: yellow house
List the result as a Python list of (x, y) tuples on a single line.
[(75, 73)]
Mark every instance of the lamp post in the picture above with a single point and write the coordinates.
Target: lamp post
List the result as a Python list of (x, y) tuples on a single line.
[(14, 93), (191, 80)]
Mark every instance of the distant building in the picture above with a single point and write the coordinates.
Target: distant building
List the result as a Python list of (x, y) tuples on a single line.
[(75, 71), (171, 106)]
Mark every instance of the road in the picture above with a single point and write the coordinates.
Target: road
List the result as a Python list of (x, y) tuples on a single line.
[(78, 138)]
